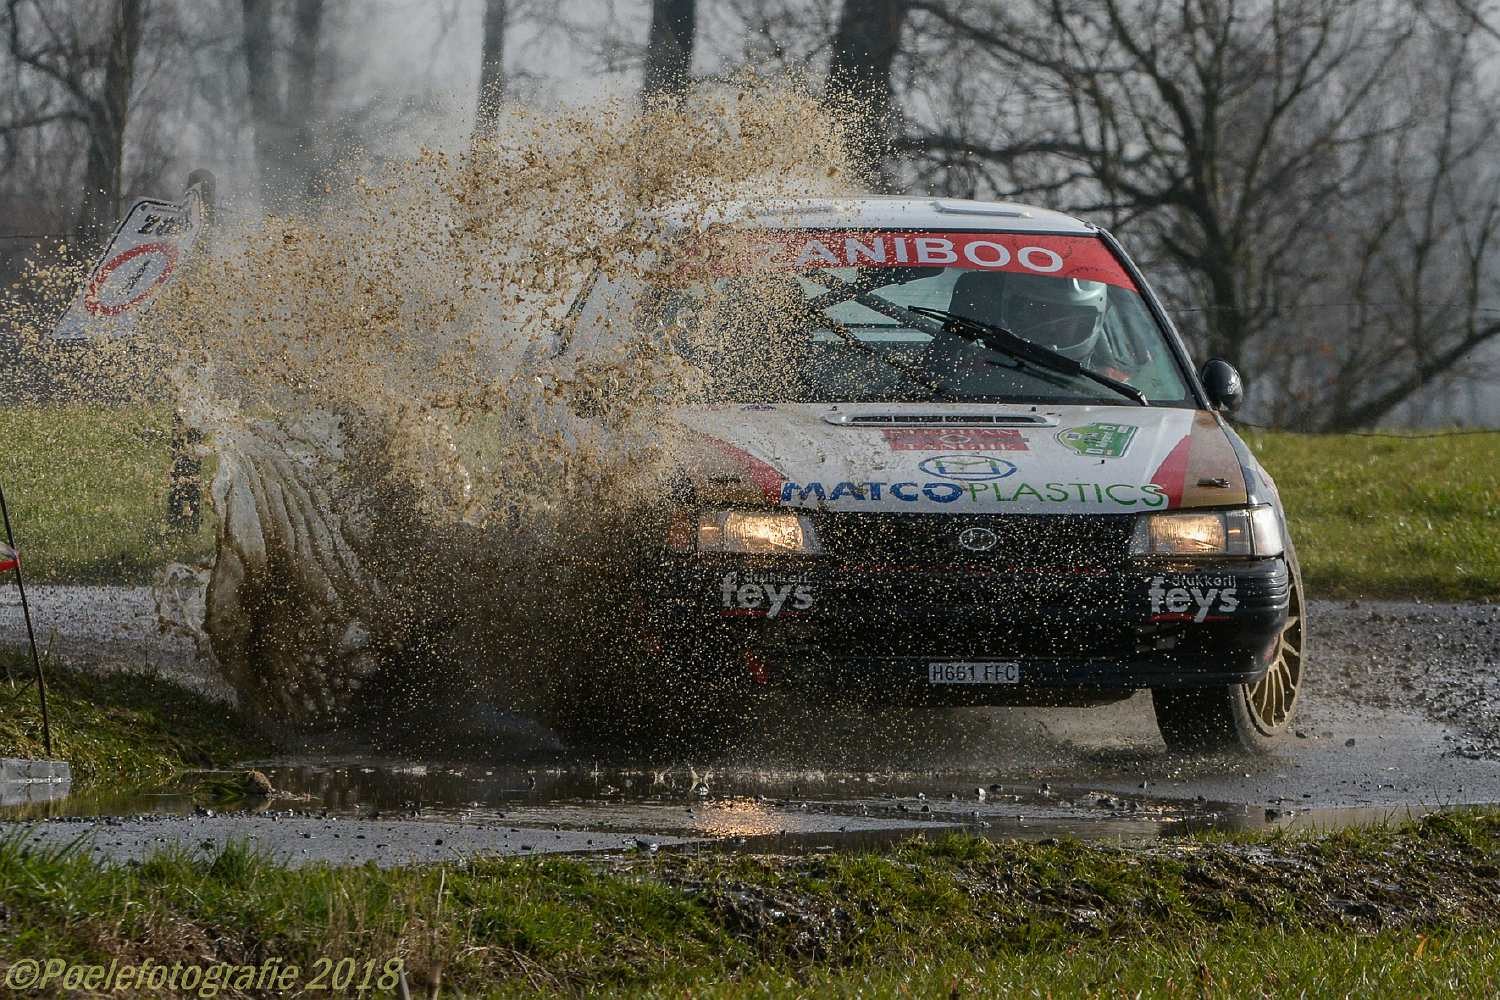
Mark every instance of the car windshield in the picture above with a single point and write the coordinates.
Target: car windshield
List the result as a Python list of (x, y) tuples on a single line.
[(824, 317)]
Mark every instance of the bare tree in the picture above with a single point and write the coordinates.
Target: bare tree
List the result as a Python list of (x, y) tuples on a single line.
[(92, 64), (283, 96), (1416, 263), (491, 65), (1244, 143), (266, 112), (669, 47), (865, 45)]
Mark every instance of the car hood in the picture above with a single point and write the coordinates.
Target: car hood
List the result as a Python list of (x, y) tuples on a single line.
[(958, 458)]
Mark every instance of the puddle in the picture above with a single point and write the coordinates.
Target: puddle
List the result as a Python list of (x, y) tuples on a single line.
[(735, 808), (30, 794)]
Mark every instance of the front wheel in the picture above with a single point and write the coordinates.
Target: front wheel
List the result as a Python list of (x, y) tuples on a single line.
[(1245, 717)]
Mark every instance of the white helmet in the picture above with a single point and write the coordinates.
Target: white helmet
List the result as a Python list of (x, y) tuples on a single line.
[(1065, 314)]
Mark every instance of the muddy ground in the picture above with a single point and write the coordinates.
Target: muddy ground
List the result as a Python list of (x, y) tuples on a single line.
[(1399, 718)]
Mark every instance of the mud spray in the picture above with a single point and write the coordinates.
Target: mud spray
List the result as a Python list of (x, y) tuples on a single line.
[(434, 479)]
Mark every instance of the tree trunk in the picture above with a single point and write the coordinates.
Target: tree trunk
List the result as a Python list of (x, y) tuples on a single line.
[(108, 117), (283, 115), (864, 49), (302, 105), (491, 67), (262, 91), (669, 50), (1227, 329)]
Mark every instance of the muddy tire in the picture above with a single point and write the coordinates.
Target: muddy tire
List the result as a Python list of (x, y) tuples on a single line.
[(1249, 718)]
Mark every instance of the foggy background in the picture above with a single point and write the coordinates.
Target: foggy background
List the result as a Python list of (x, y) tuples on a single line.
[(1311, 183)]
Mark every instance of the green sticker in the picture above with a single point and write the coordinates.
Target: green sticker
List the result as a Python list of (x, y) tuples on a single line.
[(1099, 440)]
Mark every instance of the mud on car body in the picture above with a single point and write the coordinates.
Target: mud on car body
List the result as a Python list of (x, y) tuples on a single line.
[(986, 473)]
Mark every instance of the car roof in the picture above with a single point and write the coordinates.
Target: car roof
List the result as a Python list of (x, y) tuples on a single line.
[(894, 212)]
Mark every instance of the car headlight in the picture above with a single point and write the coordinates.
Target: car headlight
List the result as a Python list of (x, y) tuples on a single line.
[(753, 532), (1250, 531)]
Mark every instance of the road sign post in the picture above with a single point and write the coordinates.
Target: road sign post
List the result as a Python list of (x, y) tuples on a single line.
[(185, 495), (151, 245)]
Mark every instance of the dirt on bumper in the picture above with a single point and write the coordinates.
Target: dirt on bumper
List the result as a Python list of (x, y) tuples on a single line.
[(876, 628)]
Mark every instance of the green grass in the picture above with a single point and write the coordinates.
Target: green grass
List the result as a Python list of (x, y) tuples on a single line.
[(87, 488), (1380, 516), (1410, 910), (1370, 516), (1229, 965), (119, 730)]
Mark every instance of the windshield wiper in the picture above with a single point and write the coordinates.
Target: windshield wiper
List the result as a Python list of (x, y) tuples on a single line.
[(998, 338), (839, 290), (849, 339)]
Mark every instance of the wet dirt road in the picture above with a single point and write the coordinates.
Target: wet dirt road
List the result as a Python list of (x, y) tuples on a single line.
[(1398, 719)]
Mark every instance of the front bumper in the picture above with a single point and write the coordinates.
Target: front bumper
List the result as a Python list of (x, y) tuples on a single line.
[(1088, 628)]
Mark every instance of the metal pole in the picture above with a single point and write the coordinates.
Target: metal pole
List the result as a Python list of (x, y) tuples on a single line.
[(36, 661), (185, 492)]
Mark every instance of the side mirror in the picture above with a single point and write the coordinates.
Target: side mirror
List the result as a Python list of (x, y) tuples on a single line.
[(1225, 390)]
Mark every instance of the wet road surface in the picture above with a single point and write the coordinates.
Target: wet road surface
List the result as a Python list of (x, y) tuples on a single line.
[(1384, 731)]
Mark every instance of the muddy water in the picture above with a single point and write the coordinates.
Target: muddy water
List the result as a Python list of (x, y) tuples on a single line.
[(867, 778), (730, 806)]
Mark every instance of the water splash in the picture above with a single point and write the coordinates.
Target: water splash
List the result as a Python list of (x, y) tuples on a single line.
[(419, 509)]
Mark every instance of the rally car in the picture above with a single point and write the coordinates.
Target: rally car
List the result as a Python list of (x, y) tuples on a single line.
[(986, 472)]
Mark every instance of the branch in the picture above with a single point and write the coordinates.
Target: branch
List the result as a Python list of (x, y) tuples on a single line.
[(1425, 371), (34, 58), (34, 121)]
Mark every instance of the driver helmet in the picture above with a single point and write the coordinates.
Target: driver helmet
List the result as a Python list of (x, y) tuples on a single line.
[(1065, 314)]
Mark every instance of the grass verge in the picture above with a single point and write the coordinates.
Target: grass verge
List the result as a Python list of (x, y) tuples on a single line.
[(1391, 516), (119, 729), (87, 487), (1409, 910)]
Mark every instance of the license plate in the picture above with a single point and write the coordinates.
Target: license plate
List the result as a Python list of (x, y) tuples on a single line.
[(985, 672)]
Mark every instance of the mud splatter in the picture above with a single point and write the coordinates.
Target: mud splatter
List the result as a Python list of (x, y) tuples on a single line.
[(433, 478)]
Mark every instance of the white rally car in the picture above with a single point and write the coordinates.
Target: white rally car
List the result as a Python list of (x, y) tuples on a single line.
[(987, 473)]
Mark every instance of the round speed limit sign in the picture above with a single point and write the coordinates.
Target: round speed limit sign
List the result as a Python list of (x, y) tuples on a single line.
[(130, 278)]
